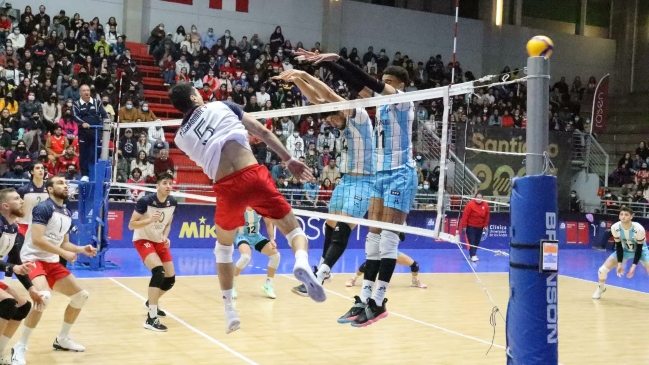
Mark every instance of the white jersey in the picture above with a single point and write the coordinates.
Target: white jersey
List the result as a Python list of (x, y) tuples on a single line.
[(205, 131), (358, 149), (148, 205), (629, 237), (32, 195), (57, 221), (394, 135)]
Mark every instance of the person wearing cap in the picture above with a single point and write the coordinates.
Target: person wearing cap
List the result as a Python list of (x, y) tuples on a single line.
[(128, 146), (87, 112)]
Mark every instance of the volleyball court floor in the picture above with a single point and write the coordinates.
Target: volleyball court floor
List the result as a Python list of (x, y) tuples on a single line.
[(447, 323)]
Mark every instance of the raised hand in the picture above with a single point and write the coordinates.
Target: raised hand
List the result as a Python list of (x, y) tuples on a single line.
[(299, 169)]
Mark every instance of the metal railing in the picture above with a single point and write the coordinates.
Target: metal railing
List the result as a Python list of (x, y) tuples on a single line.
[(613, 206), (596, 160)]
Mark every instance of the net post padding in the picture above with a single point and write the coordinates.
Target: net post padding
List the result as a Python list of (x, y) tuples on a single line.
[(532, 308)]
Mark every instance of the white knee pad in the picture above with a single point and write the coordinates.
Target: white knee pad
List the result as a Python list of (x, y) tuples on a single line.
[(243, 261), (389, 245), (294, 233), (602, 273), (372, 251), (79, 300), (46, 296), (273, 261), (223, 253)]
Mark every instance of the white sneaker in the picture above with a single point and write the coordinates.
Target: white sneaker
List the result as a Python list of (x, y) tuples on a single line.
[(417, 283), (269, 290), (314, 288), (351, 282), (18, 354), (598, 293), (474, 258), (232, 321), (66, 344)]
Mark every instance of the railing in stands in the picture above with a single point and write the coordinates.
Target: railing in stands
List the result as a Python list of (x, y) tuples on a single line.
[(596, 160)]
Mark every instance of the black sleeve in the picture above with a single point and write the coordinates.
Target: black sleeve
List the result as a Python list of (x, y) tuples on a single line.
[(24, 279), (638, 253), (362, 77), (344, 75), (619, 251)]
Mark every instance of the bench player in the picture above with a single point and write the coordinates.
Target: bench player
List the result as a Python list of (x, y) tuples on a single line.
[(396, 181), (358, 163), (46, 241), (249, 236), (630, 243), (151, 222), (215, 137), (13, 307)]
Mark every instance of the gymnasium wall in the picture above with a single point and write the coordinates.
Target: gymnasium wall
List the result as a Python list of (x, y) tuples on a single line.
[(88, 9)]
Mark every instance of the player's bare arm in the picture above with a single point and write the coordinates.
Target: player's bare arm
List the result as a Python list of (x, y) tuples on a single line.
[(165, 233), (87, 250), (138, 221)]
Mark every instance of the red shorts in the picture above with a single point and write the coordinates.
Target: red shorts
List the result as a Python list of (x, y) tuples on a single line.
[(53, 272), (22, 228), (145, 248), (249, 187), (3, 286)]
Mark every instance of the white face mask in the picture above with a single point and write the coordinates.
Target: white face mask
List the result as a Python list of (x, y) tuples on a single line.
[(296, 134), (285, 183), (194, 30), (420, 187), (310, 133), (31, 97), (479, 201), (145, 108), (426, 187)]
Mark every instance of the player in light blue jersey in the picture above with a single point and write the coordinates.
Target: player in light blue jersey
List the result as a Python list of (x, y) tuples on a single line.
[(396, 179), (249, 236), (630, 243), (358, 163)]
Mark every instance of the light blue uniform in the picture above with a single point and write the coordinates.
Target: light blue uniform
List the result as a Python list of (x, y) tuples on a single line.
[(629, 238), (249, 233), (396, 179), (358, 162)]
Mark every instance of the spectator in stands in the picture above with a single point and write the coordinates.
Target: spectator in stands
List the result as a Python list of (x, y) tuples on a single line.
[(163, 163), (279, 170), (326, 189), (56, 144), (641, 174), (157, 135), (330, 171), (69, 158), (326, 138), (68, 125), (642, 151), (17, 39), (52, 109), (128, 114), (5, 27), (143, 145), (72, 91), (5, 139), (136, 179), (146, 114), (20, 161), (143, 165), (10, 104), (30, 106)]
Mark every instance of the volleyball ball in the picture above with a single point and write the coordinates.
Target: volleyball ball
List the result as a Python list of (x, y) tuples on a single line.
[(540, 46)]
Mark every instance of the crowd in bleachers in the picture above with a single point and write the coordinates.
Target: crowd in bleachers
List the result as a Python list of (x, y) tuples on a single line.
[(632, 175)]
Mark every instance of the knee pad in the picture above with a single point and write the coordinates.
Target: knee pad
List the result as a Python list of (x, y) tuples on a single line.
[(295, 233), (341, 233), (223, 253), (22, 311), (8, 308), (362, 268), (372, 250), (602, 273), (168, 283), (273, 260), (46, 295), (157, 277), (414, 267), (79, 300), (243, 261), (389, 245)]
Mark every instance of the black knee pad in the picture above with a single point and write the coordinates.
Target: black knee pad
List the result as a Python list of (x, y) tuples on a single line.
[(22, 311), (414, 267), (362, 268), (168, 283), (8, 308), (341, 234), (157, 277)]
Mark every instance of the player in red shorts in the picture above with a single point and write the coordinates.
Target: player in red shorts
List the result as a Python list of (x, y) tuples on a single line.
[(150, 223), (215, 137), (46, 241), (13, 307)]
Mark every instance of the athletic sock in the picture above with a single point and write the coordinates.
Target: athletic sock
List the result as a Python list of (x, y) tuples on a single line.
[(323, 270), (65, 329), (379, 293), (366, 290), (24, 337), (227, 297), (153, 310)]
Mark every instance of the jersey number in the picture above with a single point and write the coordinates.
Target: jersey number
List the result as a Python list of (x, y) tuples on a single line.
[(380, 139), (252, 230), (203, 132)]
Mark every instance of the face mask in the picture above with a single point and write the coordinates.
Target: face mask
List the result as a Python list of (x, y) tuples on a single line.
[(426, 187), (17, 31), (420, 187), (285, 183), (129, 107), (479, 201), (296, 134), (36, 117), (210, 33), (193, 30), (2, 84), (69, 105), (326, 133), (145, 108), (254, 47), (227, 34), (53, 98), (31, 97), (573, 195), (67, 115), (21, 147), (104, 103), (310, 133), (608, 195), (256, 79), (279, 133)]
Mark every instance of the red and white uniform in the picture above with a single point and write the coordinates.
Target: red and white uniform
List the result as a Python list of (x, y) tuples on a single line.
[(32, 195), (202, 136), (150, 239)]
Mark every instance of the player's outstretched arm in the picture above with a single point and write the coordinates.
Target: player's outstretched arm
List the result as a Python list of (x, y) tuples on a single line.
[(323, 91), (295, 76)]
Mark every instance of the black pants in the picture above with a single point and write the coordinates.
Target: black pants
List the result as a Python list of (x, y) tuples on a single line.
[(473, 235), (87, 150)]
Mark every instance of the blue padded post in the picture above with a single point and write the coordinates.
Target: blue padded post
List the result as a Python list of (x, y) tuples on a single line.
[(532, 327)]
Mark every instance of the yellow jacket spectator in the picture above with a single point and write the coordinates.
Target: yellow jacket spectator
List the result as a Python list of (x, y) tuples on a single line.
[(146, 114), (10, 103), (128, 114)]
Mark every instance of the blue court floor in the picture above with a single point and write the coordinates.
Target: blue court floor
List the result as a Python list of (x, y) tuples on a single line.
[(581, 264)]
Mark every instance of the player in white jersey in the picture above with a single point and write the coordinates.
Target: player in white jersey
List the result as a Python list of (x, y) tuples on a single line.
[(13, 307), (151, 222), (249, 236), (358, 163), (46, 241), (630, 243), (396, 179), (215, 136)]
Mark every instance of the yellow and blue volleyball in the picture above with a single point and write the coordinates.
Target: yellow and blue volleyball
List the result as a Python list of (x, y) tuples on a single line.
[(540, 46)]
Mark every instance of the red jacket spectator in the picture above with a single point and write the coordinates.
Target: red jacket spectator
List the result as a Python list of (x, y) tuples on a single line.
[(64, 161), (475, 214)]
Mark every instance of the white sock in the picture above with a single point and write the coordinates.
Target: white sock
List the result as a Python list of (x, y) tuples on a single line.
[(379, 294), (366, 290), (269, 280), (227, 297), (65, 330), (322, 272), (153, 310), (24, 337), (4, 341), (301, 256)]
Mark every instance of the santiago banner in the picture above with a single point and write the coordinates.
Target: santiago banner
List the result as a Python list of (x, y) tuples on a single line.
[(495, 171)]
